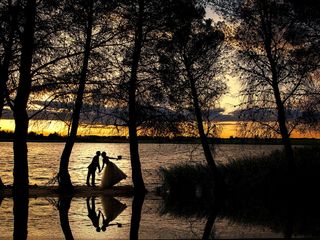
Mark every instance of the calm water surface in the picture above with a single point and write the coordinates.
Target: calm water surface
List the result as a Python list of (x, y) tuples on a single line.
[(44, 220), (44, 159)]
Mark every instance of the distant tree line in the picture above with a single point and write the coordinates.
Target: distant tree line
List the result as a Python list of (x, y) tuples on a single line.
[(159, 65)]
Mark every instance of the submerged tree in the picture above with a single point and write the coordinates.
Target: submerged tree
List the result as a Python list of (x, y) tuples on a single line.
[(190, 67)]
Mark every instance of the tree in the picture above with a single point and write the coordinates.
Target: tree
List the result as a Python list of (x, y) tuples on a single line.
[(136, 55), (8, 30), (142, 21), (306, 31), (63, 175), (274, 71), (35, 33), (190, 69), (91, 11), (146, 23), (20, 171)]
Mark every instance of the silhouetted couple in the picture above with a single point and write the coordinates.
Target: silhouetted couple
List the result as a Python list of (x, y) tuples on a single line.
[(111, 175)]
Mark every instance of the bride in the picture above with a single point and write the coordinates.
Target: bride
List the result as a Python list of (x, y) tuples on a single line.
[(112, 174)]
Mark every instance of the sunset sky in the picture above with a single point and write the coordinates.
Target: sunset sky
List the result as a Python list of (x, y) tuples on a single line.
[(226, 119)]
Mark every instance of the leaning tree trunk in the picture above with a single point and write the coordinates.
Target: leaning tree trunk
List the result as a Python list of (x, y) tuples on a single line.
[(20, 171), (204, 140), (134, 147), (65, 183), (284, 130), (280, 105)]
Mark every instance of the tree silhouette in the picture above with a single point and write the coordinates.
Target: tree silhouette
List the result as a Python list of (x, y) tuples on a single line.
[(91, 11), (63, 175), (8, 31), (274, 71), (26, 41), (190, 69), (144, 22), (20, 171), (136, 55), (147, 22), (306, 31)]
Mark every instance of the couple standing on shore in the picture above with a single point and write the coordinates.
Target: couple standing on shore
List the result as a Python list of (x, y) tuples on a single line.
[(111, 175)]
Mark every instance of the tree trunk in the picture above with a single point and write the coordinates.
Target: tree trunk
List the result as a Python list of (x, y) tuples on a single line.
[(134, 147), (20, 171), (280, 106), (5, 65), (284, 130), (65, 183), (203, 137), (209, 225)]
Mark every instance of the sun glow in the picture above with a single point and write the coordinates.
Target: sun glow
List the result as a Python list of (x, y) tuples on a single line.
[(45, 127)]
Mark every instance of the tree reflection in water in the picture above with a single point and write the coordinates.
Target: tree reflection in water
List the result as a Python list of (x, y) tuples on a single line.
[(293, 214), (63, 207), (20, 213), (137, 204)]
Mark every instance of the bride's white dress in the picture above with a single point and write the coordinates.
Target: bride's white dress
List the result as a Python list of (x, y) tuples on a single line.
[(111, 175)]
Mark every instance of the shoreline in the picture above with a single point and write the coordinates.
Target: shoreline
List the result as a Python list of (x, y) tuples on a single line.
[(244, 141)]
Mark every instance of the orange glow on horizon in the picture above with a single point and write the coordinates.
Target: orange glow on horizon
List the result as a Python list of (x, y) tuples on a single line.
[(227, 129)]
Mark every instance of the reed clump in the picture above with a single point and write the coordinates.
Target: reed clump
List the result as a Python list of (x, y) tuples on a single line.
[(262, 174), (259, 191)]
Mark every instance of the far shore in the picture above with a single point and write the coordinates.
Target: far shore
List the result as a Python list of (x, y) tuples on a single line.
[(164, 140)]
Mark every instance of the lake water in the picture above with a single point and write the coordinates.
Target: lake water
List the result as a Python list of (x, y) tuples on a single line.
[(44, 159), (44, 219)]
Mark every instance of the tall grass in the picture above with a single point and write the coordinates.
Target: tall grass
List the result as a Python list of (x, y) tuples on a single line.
[(258, 192), (263, 174)]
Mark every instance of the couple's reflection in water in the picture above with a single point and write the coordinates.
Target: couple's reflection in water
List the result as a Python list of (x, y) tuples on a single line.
[(111, 209), (102, 215)]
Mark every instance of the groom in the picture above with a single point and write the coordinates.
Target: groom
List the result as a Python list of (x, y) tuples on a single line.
[(92, 168)]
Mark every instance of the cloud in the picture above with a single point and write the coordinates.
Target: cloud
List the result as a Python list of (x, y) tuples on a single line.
[(94, 114)]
